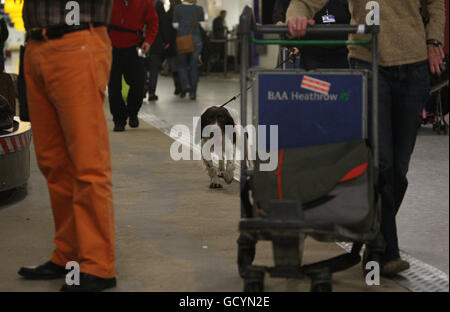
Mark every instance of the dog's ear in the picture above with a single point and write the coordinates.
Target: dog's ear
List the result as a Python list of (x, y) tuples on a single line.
[(198, 128), (202, 122), (229, 121)]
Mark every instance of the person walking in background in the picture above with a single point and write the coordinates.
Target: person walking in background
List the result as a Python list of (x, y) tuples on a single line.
[(187, 19), (220, 32), (171, 52), (4, 34), (407, 52), (153, 61), (126, 32), (67, 71), (220, 29)]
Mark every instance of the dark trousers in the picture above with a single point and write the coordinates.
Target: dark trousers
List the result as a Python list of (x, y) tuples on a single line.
[(128, 64), (152, 64), (176, 82), (188, 67), (310, 62), (402, 92), (173, 62)]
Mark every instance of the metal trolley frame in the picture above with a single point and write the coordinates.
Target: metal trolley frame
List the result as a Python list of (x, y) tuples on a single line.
[(288, 239)]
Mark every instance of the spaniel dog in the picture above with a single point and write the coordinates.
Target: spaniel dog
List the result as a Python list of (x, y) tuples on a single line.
[(220, 117)]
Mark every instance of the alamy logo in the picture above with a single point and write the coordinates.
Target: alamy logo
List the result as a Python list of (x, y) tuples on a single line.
[(73, 16), (221, 144), (373, 273), (73, 277), (373, 17)]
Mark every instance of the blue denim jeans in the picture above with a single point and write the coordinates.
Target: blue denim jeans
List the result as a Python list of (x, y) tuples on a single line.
[(403, 91), (189, 78)]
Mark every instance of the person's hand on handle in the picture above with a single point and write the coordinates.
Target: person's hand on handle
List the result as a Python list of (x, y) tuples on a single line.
[(145, 47), (298, 26), (436, 57), (280, 23)]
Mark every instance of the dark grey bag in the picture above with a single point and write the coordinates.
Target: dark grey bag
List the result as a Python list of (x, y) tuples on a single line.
[(333, 183)]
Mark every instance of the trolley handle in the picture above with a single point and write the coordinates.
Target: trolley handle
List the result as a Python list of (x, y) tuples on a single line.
[(322, 29), (248, 24)]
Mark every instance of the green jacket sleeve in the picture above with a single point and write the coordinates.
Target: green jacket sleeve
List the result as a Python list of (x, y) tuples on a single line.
[(307, 8)]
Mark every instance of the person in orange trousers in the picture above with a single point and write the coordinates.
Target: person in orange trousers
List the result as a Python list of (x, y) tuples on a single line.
[(66, 82)]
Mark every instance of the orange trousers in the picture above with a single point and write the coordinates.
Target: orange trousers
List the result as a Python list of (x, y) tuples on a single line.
[(66, 82)]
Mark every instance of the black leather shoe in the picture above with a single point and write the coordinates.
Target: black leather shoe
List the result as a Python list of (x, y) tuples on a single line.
[(184, 92), (134, 122), (392, 268), (90, 283), (119, 128), (47, 271), (153, 97)]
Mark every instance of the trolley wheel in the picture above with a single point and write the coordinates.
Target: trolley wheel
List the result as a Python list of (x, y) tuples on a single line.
[(13, 195), (254, 280), (253, 286), (246, 255), (6, 195), (321, 280), (321, 287)]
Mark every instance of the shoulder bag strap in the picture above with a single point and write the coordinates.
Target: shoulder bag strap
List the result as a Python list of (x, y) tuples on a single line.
[(195, 20)]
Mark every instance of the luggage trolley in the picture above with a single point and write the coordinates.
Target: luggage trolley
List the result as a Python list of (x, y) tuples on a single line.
[(326, 177), (440, 125)]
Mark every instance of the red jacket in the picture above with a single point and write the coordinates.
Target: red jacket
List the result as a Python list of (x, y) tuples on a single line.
[(133, 16)]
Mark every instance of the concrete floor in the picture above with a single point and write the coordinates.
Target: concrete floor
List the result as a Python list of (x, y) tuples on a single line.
[(423, 220), (172, 232)]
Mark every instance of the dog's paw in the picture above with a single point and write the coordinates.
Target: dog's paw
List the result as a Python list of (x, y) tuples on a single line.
[(228, 175), (228, 179), (215, 186)]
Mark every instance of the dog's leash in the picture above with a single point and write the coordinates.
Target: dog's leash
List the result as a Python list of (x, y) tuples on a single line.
[(290, 58)]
